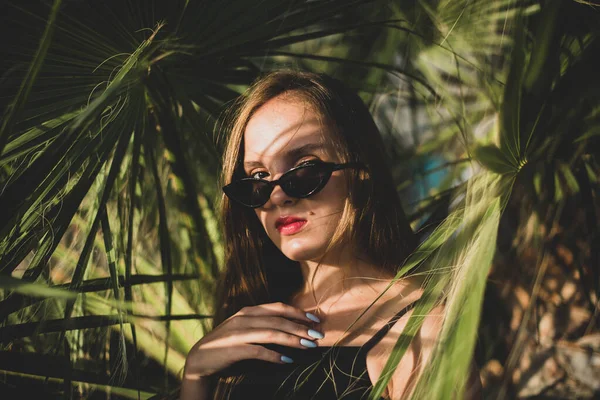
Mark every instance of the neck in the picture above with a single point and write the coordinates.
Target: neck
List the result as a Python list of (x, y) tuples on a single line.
[(328, 280)]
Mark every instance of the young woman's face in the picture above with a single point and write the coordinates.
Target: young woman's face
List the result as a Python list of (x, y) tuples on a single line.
[(282, 134)]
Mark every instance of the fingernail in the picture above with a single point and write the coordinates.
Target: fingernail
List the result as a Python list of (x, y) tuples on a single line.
[(312, 317), (308, 343), (315, 334), (286, 359)]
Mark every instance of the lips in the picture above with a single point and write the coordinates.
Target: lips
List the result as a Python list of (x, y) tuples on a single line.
[(289, 225)]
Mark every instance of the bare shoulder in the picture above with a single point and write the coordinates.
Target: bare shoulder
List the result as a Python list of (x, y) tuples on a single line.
[(414, 360), (417, 353), (430, 330), (429, 335)]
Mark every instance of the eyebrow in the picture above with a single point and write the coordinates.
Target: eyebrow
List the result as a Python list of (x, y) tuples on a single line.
[(292, 153)]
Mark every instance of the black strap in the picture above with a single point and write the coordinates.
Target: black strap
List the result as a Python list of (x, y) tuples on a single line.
[(385, 329)]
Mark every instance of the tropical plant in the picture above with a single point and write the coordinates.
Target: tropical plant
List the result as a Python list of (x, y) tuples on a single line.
[(119, 100), (109, 248)]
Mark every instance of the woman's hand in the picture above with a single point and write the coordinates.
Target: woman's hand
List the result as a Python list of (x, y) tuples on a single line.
[(239, 338)]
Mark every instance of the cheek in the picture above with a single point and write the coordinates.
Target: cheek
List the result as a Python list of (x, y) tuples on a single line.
[(334, 194)]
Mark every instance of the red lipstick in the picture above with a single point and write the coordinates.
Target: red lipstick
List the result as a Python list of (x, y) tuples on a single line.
[(289, 225)]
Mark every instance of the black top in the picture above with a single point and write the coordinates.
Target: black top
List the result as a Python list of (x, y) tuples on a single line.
[(321, 373)]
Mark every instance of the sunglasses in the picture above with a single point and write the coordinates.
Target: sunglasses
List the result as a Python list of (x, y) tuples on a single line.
[(301, 181)]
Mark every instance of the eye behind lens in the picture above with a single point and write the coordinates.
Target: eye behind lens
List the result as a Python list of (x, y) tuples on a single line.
[(301, 181), (307, 180)]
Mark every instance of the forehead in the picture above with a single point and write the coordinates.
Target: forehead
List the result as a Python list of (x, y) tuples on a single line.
[(282, 124)]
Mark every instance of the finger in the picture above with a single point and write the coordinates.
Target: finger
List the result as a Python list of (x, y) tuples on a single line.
[(252, 351), (273, 336), (242, 322), (281, 309)]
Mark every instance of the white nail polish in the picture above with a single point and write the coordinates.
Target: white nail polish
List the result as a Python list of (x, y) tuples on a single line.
[(315, 334), (308, 343), (313, 317)]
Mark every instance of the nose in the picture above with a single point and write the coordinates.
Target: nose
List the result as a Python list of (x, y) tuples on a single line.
[(280, 198)]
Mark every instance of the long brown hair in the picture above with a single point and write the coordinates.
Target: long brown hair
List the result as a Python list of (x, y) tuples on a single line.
[(256, 271)]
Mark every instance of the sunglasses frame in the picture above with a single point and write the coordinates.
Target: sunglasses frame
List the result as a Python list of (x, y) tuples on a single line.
[(328, 166)]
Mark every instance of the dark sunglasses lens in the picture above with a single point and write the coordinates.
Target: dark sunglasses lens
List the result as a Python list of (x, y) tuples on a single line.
[(306, 181), (248, 192)]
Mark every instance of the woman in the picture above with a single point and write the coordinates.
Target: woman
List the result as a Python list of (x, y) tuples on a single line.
[(314, 232)]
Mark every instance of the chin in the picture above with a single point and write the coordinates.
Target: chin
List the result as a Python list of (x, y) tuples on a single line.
[(298, 256), (301, 253)]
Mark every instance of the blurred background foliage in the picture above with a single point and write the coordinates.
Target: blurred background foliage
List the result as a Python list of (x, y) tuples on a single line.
[(110, 150)]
